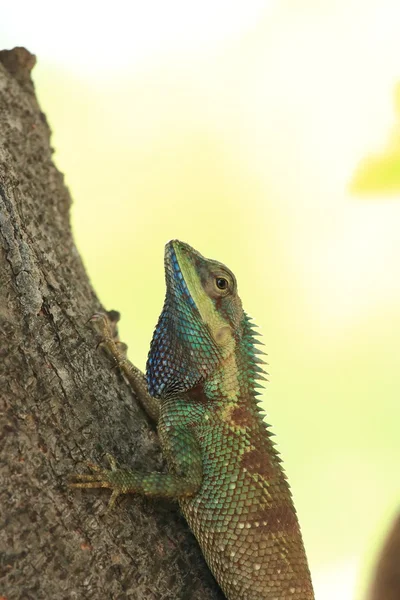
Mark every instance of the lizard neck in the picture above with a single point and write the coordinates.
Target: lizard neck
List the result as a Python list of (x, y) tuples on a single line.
[(234, 382)]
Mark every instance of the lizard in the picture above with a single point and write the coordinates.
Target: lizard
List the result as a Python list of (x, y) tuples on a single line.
[(202, 389)]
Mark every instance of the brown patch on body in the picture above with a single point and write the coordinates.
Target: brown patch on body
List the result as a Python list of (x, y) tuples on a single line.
[(197, 394), (260, 463), (241, 417), (276, 519)]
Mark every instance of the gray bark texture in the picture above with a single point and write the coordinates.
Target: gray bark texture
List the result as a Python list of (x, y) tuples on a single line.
[(62, 403)]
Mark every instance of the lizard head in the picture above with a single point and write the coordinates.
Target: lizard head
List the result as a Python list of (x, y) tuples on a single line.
[(199, 324)]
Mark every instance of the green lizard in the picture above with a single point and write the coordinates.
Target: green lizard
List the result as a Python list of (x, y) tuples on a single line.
[(201, 388)]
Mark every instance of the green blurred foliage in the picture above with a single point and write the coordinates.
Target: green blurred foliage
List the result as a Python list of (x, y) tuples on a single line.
[(380, 173)]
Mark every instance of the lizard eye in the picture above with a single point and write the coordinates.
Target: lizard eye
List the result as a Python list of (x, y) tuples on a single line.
[(222, 283)]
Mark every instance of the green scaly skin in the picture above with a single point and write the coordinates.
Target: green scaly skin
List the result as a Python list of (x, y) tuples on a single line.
[(201, 388)]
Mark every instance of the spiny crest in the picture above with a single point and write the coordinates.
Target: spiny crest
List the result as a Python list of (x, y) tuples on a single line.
[(256, 372), (249, 342)]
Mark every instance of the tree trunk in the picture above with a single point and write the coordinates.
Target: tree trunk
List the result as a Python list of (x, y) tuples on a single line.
[(62, 403)]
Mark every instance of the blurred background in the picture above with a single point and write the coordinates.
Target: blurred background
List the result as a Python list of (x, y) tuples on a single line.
[(265, 134)]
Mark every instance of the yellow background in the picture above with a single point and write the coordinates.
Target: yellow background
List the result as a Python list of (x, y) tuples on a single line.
[(265, 134)]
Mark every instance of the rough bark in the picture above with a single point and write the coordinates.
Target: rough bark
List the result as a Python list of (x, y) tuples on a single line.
[(62, 404)]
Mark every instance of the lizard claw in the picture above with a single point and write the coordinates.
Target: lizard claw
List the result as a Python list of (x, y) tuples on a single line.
[(106, 322), (106, 325), (100, 478)]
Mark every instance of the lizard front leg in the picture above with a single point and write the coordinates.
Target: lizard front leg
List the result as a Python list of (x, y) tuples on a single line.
[(184, 479), (105, 324)]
